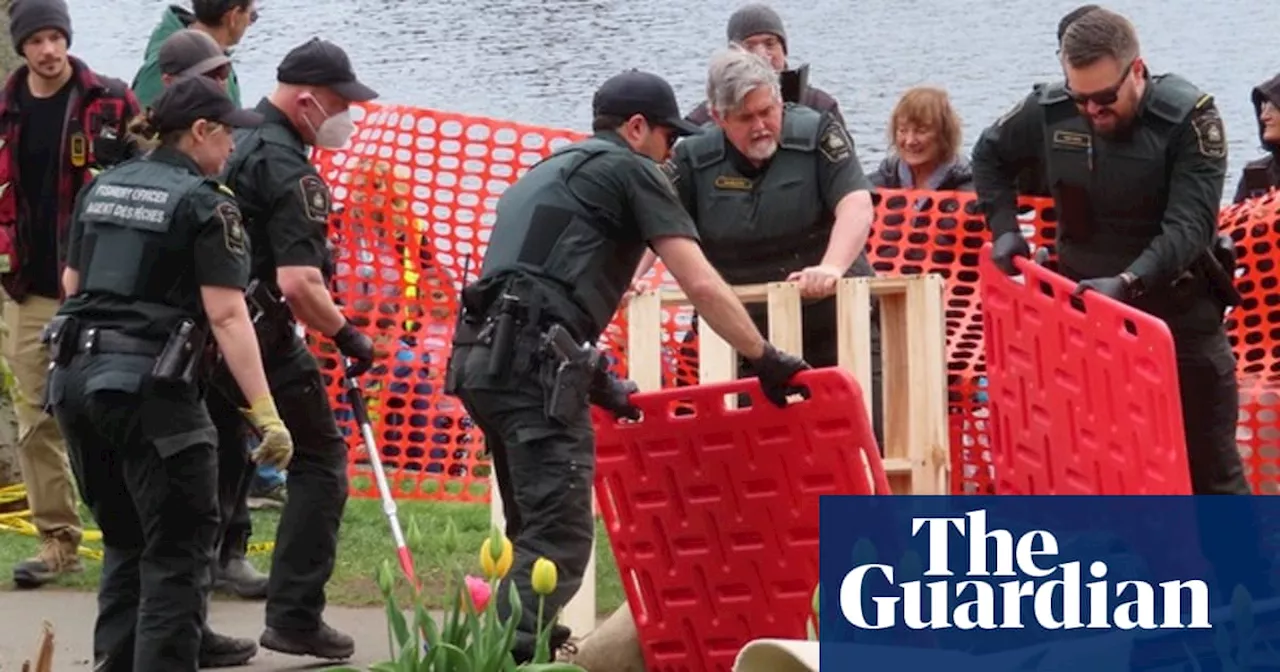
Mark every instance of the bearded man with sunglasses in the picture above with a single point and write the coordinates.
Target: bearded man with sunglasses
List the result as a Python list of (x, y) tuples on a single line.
[(1136, 164)]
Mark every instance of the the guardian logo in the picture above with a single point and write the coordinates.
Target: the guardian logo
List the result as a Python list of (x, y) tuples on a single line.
[(1048, 592)]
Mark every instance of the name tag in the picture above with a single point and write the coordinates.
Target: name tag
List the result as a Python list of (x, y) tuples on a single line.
[(733, 183), (1072, 139)]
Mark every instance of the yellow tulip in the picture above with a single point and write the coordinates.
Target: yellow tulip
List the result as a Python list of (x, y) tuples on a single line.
[(495, 565), (543, 577)]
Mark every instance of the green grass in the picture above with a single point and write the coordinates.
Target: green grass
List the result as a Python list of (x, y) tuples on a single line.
[(365, 541)]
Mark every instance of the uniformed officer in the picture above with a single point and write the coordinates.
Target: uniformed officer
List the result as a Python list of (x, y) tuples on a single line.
[(157, 261), (567, 238), (191, 52), (1136, 164), (777, 193), (286, 208)]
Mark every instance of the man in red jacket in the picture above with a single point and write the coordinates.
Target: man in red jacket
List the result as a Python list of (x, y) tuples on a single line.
[(59, 121)]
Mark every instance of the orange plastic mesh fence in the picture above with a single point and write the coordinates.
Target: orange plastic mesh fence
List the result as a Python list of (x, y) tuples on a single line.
[(414, 197)]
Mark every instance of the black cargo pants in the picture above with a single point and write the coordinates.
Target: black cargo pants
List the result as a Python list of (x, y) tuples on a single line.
[(1210, 412), (544, 470), (307, 539), (145, 465)]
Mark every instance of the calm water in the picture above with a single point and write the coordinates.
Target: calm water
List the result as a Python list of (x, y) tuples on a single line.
[(538, 61)]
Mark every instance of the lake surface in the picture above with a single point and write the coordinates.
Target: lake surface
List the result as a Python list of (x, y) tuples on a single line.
[(538, 62)]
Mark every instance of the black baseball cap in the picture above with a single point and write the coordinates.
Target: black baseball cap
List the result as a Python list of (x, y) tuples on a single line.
[(197, 97), (636, 92), (318, 62), (190, 52)]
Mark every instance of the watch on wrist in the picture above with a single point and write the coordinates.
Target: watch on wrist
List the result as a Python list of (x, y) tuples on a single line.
[(1132, 284)]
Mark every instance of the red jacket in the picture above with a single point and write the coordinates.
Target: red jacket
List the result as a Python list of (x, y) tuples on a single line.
[(95, 136)]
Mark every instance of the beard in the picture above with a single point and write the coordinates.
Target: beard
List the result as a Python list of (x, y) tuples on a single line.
[(762, 149)]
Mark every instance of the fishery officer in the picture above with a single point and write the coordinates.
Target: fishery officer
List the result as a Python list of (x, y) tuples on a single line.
[(1136, 164), (777, 193), (567, 238), (286, 208), (157, 262)]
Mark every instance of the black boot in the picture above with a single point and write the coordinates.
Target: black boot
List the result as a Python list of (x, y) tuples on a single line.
[(239, 577), (222, 651), (323, 642)]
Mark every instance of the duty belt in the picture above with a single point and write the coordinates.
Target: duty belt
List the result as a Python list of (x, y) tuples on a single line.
[(99, 341)]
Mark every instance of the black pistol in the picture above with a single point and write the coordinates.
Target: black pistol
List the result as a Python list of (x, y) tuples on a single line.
[(574, 375), (172, 360)]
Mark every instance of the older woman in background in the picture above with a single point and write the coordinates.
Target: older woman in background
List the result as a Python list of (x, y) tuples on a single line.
[(924, 137)]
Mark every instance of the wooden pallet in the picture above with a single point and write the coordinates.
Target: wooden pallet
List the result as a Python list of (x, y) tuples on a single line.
[(913, 354)]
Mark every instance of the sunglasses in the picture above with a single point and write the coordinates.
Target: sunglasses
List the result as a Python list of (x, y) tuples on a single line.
[(1105, 97)]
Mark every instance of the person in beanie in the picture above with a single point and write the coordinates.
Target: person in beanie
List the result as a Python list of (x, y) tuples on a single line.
[(59, 123), (759, 30), (226, 21)]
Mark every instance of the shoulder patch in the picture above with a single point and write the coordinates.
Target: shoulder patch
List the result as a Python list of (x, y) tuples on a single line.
[(315, 197), (664, 178), (232, 227), (671, 170), (1210, 135), (835, 144)]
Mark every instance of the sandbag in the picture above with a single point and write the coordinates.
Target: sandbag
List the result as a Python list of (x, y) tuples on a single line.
[(614, 646), (778, 655)]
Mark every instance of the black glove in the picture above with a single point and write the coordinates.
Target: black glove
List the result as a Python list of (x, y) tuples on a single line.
[(614, 395), (1008, 246), (1114, 287), (774, 369), (356, 346)]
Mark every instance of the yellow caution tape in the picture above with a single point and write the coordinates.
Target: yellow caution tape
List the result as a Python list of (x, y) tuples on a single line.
[(19, 522)]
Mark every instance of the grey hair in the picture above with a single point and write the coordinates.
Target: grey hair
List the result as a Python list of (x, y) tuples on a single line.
[(735, 72)]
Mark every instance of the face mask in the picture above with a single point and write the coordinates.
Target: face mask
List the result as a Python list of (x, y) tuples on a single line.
[(334, 131)]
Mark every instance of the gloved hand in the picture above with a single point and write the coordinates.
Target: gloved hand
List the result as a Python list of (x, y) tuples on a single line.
[(1114, 287), (774, 369), (356, 346), (276, 447), (614, 395), (1006, 247)]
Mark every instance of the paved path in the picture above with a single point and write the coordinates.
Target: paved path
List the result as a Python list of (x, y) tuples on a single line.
[(72, 614)]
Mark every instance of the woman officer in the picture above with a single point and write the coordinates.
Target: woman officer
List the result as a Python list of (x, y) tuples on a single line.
[(157, 259)]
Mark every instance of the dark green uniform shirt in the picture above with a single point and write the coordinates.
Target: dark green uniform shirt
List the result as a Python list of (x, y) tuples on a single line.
[(285, 202), (1179, 190), (789, 207), (212, 251), (619, 200)]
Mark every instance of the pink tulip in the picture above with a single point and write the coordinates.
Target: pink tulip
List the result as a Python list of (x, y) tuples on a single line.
[(480, 592)]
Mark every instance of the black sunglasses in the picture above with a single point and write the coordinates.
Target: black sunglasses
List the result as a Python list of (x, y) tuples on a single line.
[(1107, 96)]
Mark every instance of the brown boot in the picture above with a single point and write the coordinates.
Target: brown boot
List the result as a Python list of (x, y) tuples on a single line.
[(57, 556)]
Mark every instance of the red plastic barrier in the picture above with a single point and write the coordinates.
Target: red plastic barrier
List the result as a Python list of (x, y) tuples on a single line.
[(713, 516), (415, 193), (1083, 390)]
